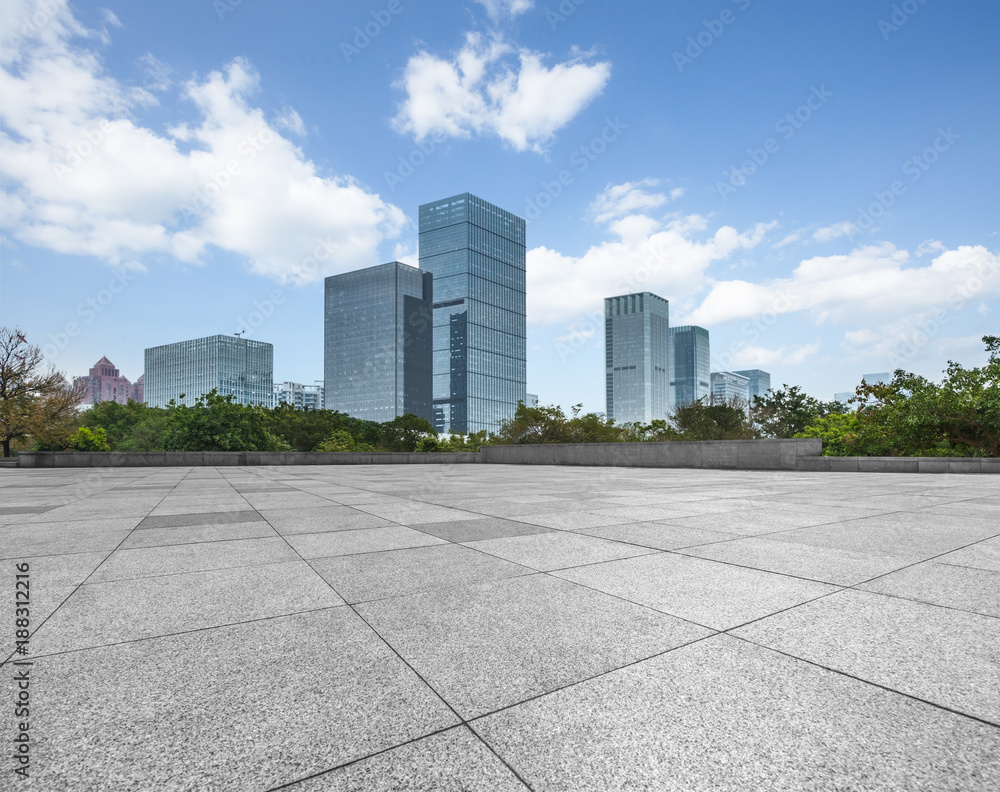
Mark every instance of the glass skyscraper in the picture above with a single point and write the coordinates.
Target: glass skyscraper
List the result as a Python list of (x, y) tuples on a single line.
[(377, 344), (476, 251), (636, 357), (729, 385), (234, 366), (760, 381), (690, 366)]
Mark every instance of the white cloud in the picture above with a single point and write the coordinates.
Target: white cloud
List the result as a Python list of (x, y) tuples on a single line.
[(290, 120), (743, 355), (619, 200), (835, 231), (500, 8), (489, 88), (669, 258), (82, 176), (930, 246)]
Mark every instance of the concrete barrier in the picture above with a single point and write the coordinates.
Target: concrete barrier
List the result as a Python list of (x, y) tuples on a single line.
[(86, 459)]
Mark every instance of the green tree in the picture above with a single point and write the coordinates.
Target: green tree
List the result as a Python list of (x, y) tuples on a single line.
[(219, 423), (786, 412), (303, 430), (34, 404), (342, 440), (83, 439), (121, 422), (838, 431), (404, 432), (701, 421)]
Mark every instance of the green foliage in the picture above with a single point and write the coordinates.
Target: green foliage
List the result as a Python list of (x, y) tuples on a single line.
[(219, 423), (404, 433), (121, 424), (342, 440), (83, 439), (303, 430), (786, 412), (838, 431), (700, 421), (548, 424)]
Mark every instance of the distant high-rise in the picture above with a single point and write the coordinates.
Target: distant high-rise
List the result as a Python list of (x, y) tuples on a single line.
[(377, 348), (879, 377), (231, 365), (729, 385), (760, 381), (301, 397), (104, 382), (636, 357), (690, 366), (477, 253)]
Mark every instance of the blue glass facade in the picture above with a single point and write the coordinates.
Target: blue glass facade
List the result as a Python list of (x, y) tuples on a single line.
[(760, 381), (231, 365), (690, 366), (377, 342), (636, 357), (477, 254), (728, 386)]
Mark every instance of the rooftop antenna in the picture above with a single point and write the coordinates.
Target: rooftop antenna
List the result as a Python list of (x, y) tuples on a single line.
[(240, 333)]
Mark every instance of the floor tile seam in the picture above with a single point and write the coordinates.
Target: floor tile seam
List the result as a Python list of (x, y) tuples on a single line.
[(848, 675), (968, 566), (499, 757), (59, 555), (438, 543), (649, 552), (919, 601), (343, 765), (927, 560), (80, 584), (528, 572), (159, 576), (192, 631), (839, 590), (755, 569)]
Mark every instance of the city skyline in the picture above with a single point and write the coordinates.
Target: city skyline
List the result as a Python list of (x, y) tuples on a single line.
[(826, 213)]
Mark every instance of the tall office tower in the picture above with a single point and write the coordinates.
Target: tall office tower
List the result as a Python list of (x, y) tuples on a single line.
[(636, 357), (301, 397), (476, 251), (760, 381), (377, 347), (690, 365), (234, 366), (104, 382), (728, 385)]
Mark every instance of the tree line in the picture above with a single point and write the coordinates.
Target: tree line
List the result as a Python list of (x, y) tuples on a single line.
[(909, 416)]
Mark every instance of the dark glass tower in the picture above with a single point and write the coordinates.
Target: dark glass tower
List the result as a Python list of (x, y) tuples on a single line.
[(476, 251), (636, 349), (377, 350), (690, 365)]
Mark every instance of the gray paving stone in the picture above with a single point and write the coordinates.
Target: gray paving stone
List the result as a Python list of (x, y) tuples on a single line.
[(127, 564), (984, 555), (557, 550), (362, 540), (250, 706), (413, 513), (947, 657), (452, 761), (477, 529), (43, 539), (321, 520), (658, 535), (966, 588), (716, 595), (99, 614), (198, 518), (722, 715), (193, 534), (753, 522), (374, 576), (490, 645)]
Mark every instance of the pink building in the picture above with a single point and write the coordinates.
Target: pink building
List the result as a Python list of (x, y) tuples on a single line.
[(105, 383)]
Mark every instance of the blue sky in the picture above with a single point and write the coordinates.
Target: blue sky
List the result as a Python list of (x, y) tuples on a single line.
[(815, 183)]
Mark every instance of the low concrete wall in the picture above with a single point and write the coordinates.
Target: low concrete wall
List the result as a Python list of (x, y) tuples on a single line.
[(720, 454), (900, 465), (84, 459)]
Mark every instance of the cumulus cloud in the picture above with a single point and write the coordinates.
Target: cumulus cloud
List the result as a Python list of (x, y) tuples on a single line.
[(498, 9), (621, 200), (743, 355), (491, 88), (835, 231), (668, 257), (82, 175)]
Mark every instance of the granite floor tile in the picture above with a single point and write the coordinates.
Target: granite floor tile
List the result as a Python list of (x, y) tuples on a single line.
[(43, 539), (720, 596), (193, 534), (321, 520), (477, 529), (490, 645), (374, 576), (658, 535), (363, 540), (268, 702), (947, 657), (199, 518), (127, 610), (966, 588), (722, 715), (557, 550), (984, 555)]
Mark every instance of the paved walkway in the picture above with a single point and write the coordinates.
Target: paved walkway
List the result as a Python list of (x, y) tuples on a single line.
[(505, 628)]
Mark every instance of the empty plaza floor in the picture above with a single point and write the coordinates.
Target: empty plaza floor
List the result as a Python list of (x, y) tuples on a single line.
[(488, 627)]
